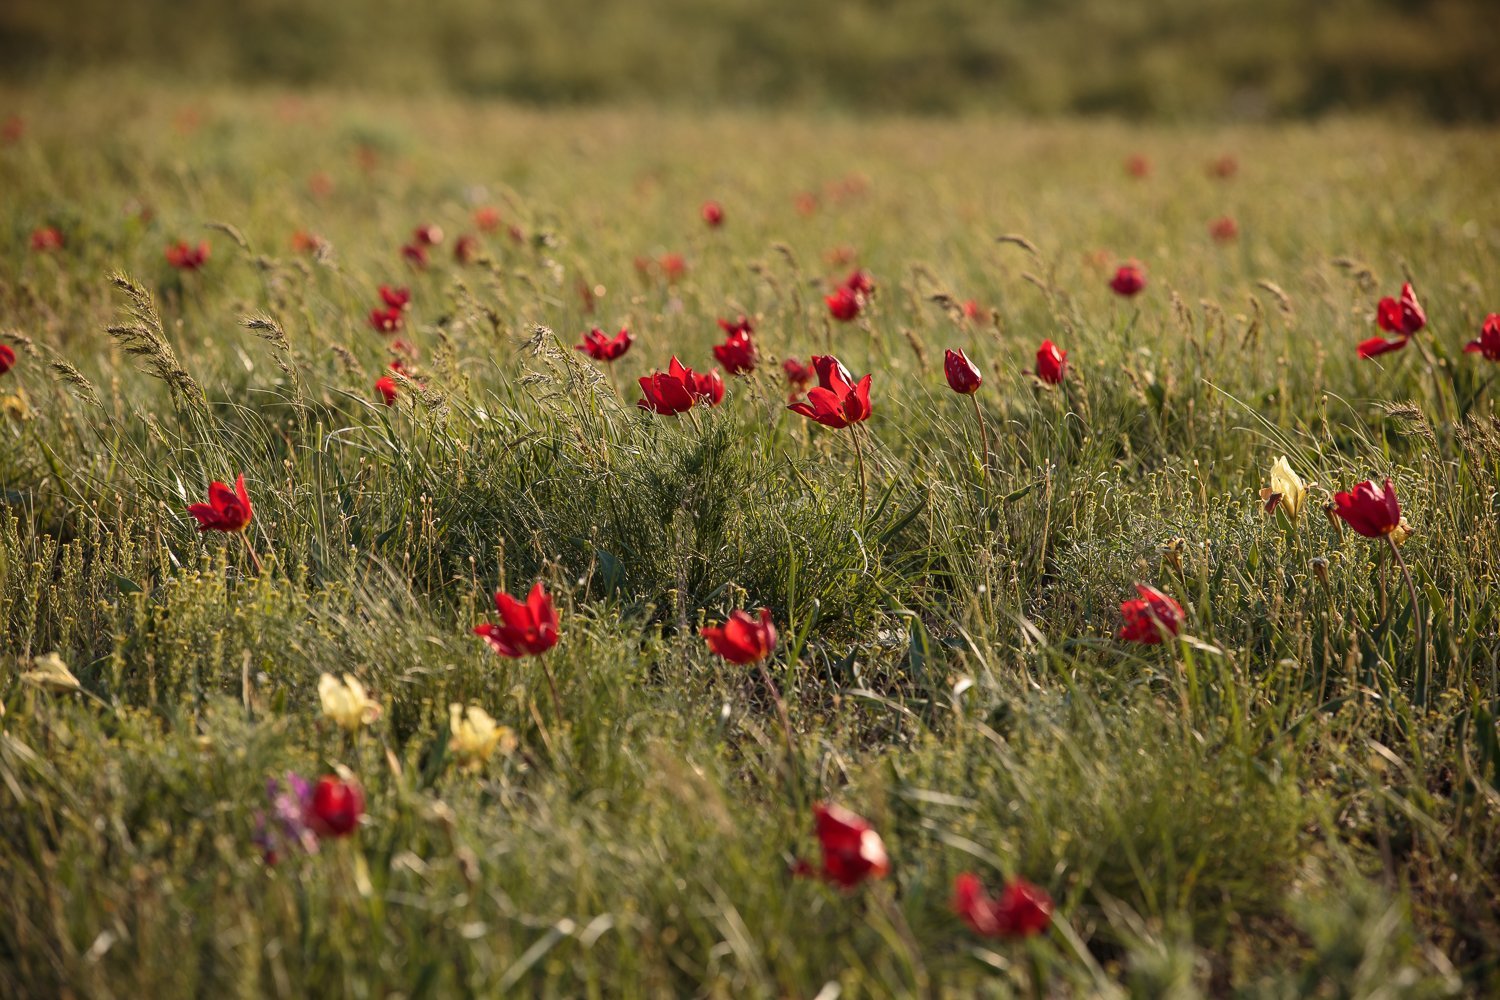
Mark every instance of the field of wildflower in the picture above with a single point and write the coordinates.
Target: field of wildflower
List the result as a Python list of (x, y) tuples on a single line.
[(455, 550)]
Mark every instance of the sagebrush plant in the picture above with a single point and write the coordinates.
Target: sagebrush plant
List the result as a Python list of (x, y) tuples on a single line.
[(1296, 790)]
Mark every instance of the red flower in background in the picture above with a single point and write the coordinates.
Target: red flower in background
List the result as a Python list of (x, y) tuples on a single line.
[(852, 850), (797, 375), (1148, 616), (320, 185), (186, 258), (843, 305), (860, 283), (386, 320), (7, 358), (806, 202), (679, 389), (1022, 910), (395, 298), (226, 510), (1402, 317), (1369, 510), (1129, 279), (1224, 229), (834, 402), (46, 238), (528, 629), (13, 129), (335, 807), (602, 348), (963, 377), (713, 214), (737, 354), (972, 309), (1051, 363), (487, 218), (466, 248), (741, 324), (415, 254), (1224, 167), (305, 242), (386, 386), (1138, 165), (1488, 341), (673, 267), (742, 639), (428, 235)]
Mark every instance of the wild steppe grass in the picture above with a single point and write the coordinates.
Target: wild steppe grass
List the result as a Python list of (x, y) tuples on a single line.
[(1298, 796)]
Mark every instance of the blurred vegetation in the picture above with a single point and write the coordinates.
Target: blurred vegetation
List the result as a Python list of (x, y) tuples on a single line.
[(1241, 59)]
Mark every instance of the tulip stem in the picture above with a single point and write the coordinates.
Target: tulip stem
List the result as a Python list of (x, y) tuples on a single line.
[(984, 437), (781, 713), (1416, 619), (552, 686), (859, 461), (259, 570)]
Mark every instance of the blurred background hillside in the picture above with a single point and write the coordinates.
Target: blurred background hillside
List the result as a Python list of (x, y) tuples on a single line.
[(1170, 59)]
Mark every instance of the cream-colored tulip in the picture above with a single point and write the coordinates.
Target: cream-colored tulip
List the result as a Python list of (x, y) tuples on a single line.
[(346, 702), (1287, 489), (50, 672), (476, 736)]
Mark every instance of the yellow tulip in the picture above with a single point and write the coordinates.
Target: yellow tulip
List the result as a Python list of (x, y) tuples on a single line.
[(346, 703), (476, 736), (1286, 490)]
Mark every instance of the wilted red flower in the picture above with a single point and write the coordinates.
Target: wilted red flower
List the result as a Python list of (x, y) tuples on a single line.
[(395, 298), (737, 354), (466, 248), (673, 266), (1051, 363), (1023, 909), (305, 242), (713, 214), (226, 510), (834, 401), (415, 254), (7, 358), (1224, 167), (387, 320), (528, 629), (742, 639), (843, 304), (972, 309), (1488, 341), (1224, 229), (806, 202), (602, 348), (962, 374), (46, 238), (335, 807), (487, 218), (852, 850), (679, 389), (1137, 165), (1369, 510), (186, 258), (1129, 279), (1148, 616), (1402, 317)]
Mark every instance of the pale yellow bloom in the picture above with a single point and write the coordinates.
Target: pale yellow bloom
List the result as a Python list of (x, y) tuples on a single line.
[(346, 703), (1401, 532), (50, 671), (1287, 489), (476, 736)]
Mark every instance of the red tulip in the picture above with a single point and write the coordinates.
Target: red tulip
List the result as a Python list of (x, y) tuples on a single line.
[(852, 850), (1129, 279), (1224, 229), (466, 248), (386, 386), (1224, 167), (673, 266), (1403, 316), (186, 258), (428, 236), (395, 298), (1138, 166), (528, 629), (487, 218), (843, 304), (1488, 342), (386, 320), (1022, 910), (1369, 510), (226, 510), (739, 325), (963, 377), (737, 354), (742, 639), (305, 242), (972, 309), (1148, 616), (601, 348), (1051, 363), (679, 389), (46, 238), (713, 214), (335, 807), (834, 402), (807, 203), (415, 254), (7, 358), (860, 283)]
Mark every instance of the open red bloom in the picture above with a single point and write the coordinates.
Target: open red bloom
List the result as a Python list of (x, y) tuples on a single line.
[(1023, 909), (46, 238), (601, 348), (1051, 363), (737, 354), (487, 218), (528, 629), (713, 214), (1488, 341), (843, 305), (963, 377), (1224, 229), (1403, 316), (466, 248), (386, 386), (186, 258), (7, 358), (428, 236), (226, 510), (834, 401), (852, 850), (1129, 279), (386, 320), (1369, 510), (395, 298), (335, 807), (679, 389), (415, 254), (1150, 615), (742, 639)]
